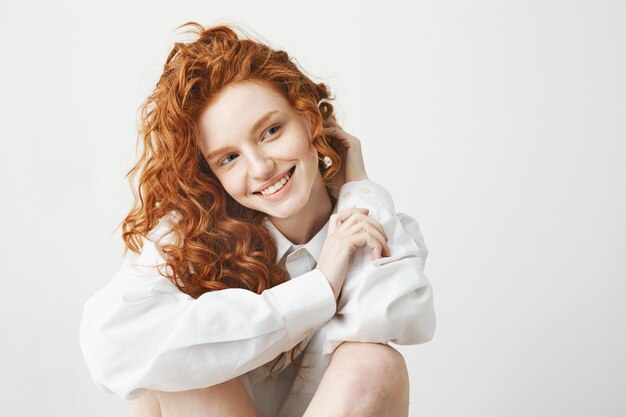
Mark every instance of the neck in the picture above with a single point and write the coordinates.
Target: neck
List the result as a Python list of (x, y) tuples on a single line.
[(301, 228)]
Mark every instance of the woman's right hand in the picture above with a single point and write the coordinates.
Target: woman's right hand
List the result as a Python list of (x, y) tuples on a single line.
[(347, 231)]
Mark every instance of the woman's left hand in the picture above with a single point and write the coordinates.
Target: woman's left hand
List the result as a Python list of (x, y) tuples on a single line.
[(350, 149)]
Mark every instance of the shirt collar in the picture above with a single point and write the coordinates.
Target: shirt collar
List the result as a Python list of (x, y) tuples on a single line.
[(313, 246)]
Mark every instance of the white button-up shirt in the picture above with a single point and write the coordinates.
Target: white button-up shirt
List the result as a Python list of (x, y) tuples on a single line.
[(141, 332)]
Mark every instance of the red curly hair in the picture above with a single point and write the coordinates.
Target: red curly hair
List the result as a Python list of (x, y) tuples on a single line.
[(218, 243)]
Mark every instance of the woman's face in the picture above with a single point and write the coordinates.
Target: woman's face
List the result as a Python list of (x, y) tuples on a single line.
[(252, 138)]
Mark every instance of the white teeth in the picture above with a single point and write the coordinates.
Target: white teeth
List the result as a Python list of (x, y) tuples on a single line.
[(275, 187)]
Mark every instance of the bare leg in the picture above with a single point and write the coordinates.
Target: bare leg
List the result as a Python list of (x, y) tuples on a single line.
[(229, 399), (363, 379)]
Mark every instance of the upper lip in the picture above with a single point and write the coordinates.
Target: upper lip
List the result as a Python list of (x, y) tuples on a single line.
[(273, 181)]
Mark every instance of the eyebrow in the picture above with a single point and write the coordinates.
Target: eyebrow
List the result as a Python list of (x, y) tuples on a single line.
[(256, 125)]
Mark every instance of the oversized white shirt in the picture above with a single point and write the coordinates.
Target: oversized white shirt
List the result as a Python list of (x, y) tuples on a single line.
[(141, 332)]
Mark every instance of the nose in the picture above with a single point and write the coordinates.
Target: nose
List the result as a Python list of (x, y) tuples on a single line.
[(262, 166)]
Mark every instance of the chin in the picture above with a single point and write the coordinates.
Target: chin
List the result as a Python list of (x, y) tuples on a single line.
[(289, 209), (283, 213)]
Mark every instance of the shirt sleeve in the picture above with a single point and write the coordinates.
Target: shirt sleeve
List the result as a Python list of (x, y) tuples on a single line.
[(389, 299), (141, 332)]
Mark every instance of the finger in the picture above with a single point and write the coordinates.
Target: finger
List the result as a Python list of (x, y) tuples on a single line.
[(343, 216), (367, 221), (376, 253), (332, 129), (378, 226), (356, 223), (375, 233), (353, 219), (340, 136), (377, 247), (364, 239), (360, 239), (347, 213)]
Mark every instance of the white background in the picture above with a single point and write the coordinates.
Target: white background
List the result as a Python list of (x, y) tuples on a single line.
[(500, 126)]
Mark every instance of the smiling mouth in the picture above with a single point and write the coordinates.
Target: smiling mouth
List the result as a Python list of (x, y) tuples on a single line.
[(290, 172)]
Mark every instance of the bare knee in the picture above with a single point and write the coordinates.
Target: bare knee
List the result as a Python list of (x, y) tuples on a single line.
[(372, 371), (371, 359)]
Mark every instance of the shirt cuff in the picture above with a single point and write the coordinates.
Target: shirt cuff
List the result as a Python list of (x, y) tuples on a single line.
[(365, 194), (306, 303)]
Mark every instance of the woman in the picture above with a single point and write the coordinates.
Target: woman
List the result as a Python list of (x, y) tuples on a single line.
[(267, 272)]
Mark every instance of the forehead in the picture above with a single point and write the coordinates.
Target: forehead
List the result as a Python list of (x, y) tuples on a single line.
[(235, 110)]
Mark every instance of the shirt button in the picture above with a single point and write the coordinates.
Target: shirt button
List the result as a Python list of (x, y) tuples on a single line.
[(347, 194), (364, 190)]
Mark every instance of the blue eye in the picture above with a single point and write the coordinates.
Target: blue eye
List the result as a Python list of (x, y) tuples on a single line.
[(225, 158), (275, 126)]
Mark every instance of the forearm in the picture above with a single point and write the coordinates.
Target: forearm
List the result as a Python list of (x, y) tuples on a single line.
[(141, 332)]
